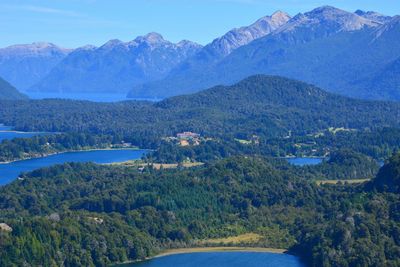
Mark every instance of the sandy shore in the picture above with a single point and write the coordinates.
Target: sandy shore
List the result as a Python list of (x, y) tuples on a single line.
[(218, 249)]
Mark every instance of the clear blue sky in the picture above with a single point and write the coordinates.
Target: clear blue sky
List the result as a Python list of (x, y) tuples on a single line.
[(73, 23)]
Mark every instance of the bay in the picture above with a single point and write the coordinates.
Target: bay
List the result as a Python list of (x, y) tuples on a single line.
[(11, 171)]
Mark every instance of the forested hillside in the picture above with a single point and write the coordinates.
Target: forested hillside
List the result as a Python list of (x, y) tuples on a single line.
[(84, 214), (264, 105), (9, 92)]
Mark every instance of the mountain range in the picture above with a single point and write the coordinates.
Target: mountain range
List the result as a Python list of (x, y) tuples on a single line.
[(347, 53), (353, 54), (116, 66)]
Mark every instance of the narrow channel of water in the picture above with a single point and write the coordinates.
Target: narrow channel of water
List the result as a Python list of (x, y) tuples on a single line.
[(11, 171)]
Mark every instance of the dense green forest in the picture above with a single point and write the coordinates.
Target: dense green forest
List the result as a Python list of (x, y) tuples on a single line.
[(378, 144), (290, 118), (86, 214), (262, 105), (95, 215)]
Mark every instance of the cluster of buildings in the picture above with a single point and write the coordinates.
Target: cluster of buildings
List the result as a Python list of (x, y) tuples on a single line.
[(188, 135), (188, 139), (185, 139)]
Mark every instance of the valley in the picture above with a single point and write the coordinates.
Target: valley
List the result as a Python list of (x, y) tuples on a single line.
[(275, 144)]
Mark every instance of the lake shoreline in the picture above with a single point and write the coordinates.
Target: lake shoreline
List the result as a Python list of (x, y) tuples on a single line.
[(219, 249), (69, 151), (177, 251), (305, 157), (22, 132)]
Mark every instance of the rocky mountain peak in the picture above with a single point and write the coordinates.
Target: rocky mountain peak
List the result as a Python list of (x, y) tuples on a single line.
[(112, 44), (326, 20), (187, 43), (347, 21), (279, 14), (374, 16), (244, 35), (33, 49), (151, 38), (274, 21)]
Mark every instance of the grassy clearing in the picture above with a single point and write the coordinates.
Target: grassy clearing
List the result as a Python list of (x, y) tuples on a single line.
[(219, 249), (248, 238)]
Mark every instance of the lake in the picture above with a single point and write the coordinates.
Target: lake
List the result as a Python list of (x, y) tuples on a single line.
[(11, 171), (222, 259), (7, 133), (95, 97), (304, 161)]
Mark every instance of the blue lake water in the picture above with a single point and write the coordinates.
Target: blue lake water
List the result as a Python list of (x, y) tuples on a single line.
[(5, 128), (11, 171), (95, 97), (222, 259), (304, 161), (7, 133)]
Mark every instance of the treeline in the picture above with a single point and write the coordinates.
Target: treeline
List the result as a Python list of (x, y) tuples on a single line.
[(345, 165), (288, 118), (341, 163), (269, 107), (86, 215)]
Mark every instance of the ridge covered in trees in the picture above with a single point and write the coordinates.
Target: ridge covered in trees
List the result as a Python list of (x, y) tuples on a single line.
[(96, 215), (86, 214), (264, 105)]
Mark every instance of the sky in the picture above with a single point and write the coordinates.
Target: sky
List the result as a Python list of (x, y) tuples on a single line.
[(74, 23)]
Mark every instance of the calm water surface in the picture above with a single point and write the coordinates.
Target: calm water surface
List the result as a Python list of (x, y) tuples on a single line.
[(222, 259), (7, 133), (90, 97), (304, 161), (11, 171)]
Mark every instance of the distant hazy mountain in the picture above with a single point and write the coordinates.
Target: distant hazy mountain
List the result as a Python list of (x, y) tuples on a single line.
[(25, 65), (9, 92), (388, 80), (337, 50), (116, 66)]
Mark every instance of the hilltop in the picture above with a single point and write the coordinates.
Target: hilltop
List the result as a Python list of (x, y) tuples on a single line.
[(9, 92)]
